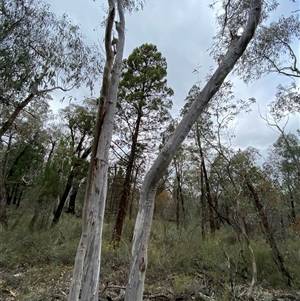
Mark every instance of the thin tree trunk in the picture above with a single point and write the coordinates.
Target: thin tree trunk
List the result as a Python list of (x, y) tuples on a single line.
[(63, 198), (177, 211), (15, 194), (9, 195), (203, 215), (138, 262), (208, 195), (123, 205), (293, 212), (179, 194), (110, 189), (132, 194), (269, 234), (87, 261), (6, 155), (7, 124), (10, 173), (53, 143), (71, 206), (19, 198), (3, 214), (3, 197), (34, 218), (68, 188)]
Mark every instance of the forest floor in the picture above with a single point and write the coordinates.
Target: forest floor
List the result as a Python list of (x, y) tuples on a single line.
[(37, 266), (51, 283)]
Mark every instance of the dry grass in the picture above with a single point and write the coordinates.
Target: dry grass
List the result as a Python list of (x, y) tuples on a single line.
[(37, 265)]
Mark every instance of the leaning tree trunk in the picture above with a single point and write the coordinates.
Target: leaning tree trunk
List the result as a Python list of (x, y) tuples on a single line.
[(87, 262), (178, 194), (123, 205), (138, 262), (63, 198), (269, 233), (208, 193), (69, 186), (73, 195)]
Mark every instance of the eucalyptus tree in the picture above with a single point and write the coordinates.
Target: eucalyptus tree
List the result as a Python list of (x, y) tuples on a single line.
[(39, 53), (138, 262), (87, 262), (24, 150), (287, 101), (24, 166), (252, 179), (179, 181), (210, 142), (201, 132), (283, 166), (274, 49), (211, 135), (79, 124), (142, 111), (24, 158), (240, 183)]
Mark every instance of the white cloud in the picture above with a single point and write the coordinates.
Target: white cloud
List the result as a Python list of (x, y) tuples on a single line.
[(182, 31)]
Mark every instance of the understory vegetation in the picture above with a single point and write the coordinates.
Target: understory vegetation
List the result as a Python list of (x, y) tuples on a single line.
[(37, 264), (88, 187)]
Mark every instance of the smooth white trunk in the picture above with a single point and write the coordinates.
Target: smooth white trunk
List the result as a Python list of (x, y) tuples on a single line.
[(75, 286), (87, 264), (138, 262)]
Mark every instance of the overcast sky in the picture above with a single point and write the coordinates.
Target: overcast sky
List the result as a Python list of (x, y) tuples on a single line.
[(183, 31)]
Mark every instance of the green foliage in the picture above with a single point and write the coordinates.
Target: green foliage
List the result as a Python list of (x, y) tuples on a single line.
[(180, 262), (141, 115), (78, 127), (273, 48), (287, 101), (40, 53), (37, 46), (283, 167), (143, 103), (38, 248)]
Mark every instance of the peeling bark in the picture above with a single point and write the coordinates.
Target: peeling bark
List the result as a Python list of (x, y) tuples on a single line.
[(87, 262)]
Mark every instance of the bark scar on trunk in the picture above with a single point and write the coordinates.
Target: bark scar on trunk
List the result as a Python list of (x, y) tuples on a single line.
[(142, 266)]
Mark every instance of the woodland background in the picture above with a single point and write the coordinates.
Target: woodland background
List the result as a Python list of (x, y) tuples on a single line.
[(218, 209)]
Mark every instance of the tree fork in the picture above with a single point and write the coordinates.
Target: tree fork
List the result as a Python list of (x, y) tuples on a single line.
[(88, 257)]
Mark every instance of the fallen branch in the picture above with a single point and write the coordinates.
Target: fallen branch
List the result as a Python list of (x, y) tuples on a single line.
[(295, 297), (205, 297), (147, 297), (156, 296)]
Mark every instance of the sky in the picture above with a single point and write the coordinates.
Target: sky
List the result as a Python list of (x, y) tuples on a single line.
[(183, 32)]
